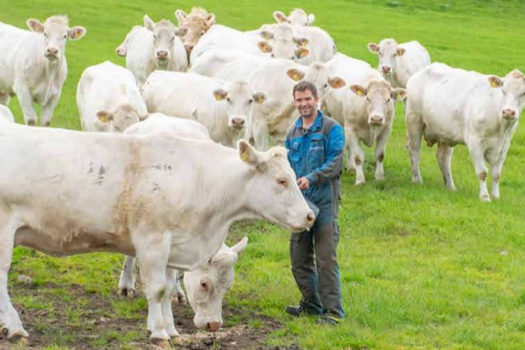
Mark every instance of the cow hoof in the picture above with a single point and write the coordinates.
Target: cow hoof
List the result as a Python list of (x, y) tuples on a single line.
[(173, 332), (19, 336), (417, 180), (380, 178), (161, 343), (127, 292), (485, 198), (360, 183), (31, 122)]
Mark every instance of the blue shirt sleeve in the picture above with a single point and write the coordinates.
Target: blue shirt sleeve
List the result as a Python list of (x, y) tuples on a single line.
[(333, 164)]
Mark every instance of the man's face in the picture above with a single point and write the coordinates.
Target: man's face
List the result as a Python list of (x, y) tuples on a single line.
[(306, 103)]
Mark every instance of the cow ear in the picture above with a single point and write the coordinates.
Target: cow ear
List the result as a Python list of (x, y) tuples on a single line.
[(398, 93), (495, 81), (148, 23), (259, 97), (301, 52), (400, 51), (301, 42), (311, 19), (35, 25), (266, 35), (220, 94), (180, 15), (76, 32), (247, 153), (264, 46), (239, 246), (295, 74), (104, 116), (181, 31), (358, 90), (280, 17), (517, 74), (373, 48), (210, 19), (122, 50), (336, 82)]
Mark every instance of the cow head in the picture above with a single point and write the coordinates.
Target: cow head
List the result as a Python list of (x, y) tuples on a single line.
[(55, 32), (281, 43), (164, 36), (196, 24), (118, 119), (388, 51), (208, 283), (297, 17), (273, 193), (238, 98), (317, 74), (379, 97), (513, 91)]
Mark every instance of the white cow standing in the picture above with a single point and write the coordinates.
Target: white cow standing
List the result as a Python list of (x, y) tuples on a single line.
[(33, 64), (398, 62), (451, 106), (6, 115), (142, 205), (108, 98), (196, 23), (154, 46), (222, 107)]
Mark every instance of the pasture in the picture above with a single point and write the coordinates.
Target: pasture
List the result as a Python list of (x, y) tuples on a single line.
[(421, 267)]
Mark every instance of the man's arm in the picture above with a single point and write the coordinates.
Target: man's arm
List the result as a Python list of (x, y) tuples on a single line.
[(333, 164)]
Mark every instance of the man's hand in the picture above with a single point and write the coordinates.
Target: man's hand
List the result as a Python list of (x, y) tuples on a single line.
[(303, 183)]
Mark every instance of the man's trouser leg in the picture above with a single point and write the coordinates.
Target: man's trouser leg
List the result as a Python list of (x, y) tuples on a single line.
[(304, 271)]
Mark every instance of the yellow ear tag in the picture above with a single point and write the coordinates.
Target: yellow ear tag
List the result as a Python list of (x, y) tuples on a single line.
[(219, 97), (359, 93), (244, 156), (103, 118), (494, 84), (399, 96)]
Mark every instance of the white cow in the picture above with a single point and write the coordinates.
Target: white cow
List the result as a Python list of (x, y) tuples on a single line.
[(207, 285), (154, 46), (451, 106), (108, 98), (398, 62), (33, 64), (6, 115), (158, 198), (222, 107), (197, 23), (297, 17)]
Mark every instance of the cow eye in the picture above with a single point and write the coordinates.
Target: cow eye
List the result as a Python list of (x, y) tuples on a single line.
[(388, 100), (65, 36), (45, 34), (250, 101), (228, 99), (172, 38), (282, 182), (204, 285), (368, 99), (202, 33), (325, 85)]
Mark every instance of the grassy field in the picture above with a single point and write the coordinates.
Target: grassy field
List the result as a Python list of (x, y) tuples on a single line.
[(421, 267)]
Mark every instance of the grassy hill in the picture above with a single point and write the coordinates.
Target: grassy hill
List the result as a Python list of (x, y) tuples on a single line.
[(421, 267)]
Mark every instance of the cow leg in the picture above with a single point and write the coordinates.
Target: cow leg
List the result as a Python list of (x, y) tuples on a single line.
[(496, 174), (358, 156), (444, 157), (26, 102), (126, 285), (181, 296), (380, 153), (48, 109), (152, 251), (414, 134), (350, 164), (9, 319), (478, 158), (167, 313)]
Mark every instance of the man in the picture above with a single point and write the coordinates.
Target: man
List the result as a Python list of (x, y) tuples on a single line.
[(315, 146)]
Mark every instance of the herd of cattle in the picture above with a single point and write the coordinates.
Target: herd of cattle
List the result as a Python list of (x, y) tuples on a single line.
[(167, 189)]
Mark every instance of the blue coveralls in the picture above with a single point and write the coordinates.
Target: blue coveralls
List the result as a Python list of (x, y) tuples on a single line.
[(317, 153)]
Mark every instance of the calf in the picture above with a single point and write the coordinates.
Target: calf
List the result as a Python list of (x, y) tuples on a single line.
[(108, 98), (398, 62), (154, 46), (35, 68), (451, 106), (196, 23)]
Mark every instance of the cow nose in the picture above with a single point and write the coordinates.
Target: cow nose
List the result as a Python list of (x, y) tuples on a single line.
[(51, 51), (310, 218), (376, 119), (213, 326), (162, 54), (238, 122), (509, 113), (385, 69), (188, 47)]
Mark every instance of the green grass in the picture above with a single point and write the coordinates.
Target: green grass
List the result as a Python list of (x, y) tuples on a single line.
[(421, 267)]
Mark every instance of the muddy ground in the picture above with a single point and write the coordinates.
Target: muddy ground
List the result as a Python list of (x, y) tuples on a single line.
[(237, 337)]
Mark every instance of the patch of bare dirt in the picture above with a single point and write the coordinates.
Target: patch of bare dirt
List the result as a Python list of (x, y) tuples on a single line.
[(50, 326)]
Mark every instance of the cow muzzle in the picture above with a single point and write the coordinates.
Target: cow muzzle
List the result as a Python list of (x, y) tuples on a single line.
[(376, 120), (386, 69), (51, 53), (238, 122), (508, 113), (162, 55)]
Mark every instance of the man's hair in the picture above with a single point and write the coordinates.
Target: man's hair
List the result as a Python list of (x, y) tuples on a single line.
[(303, 86)]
